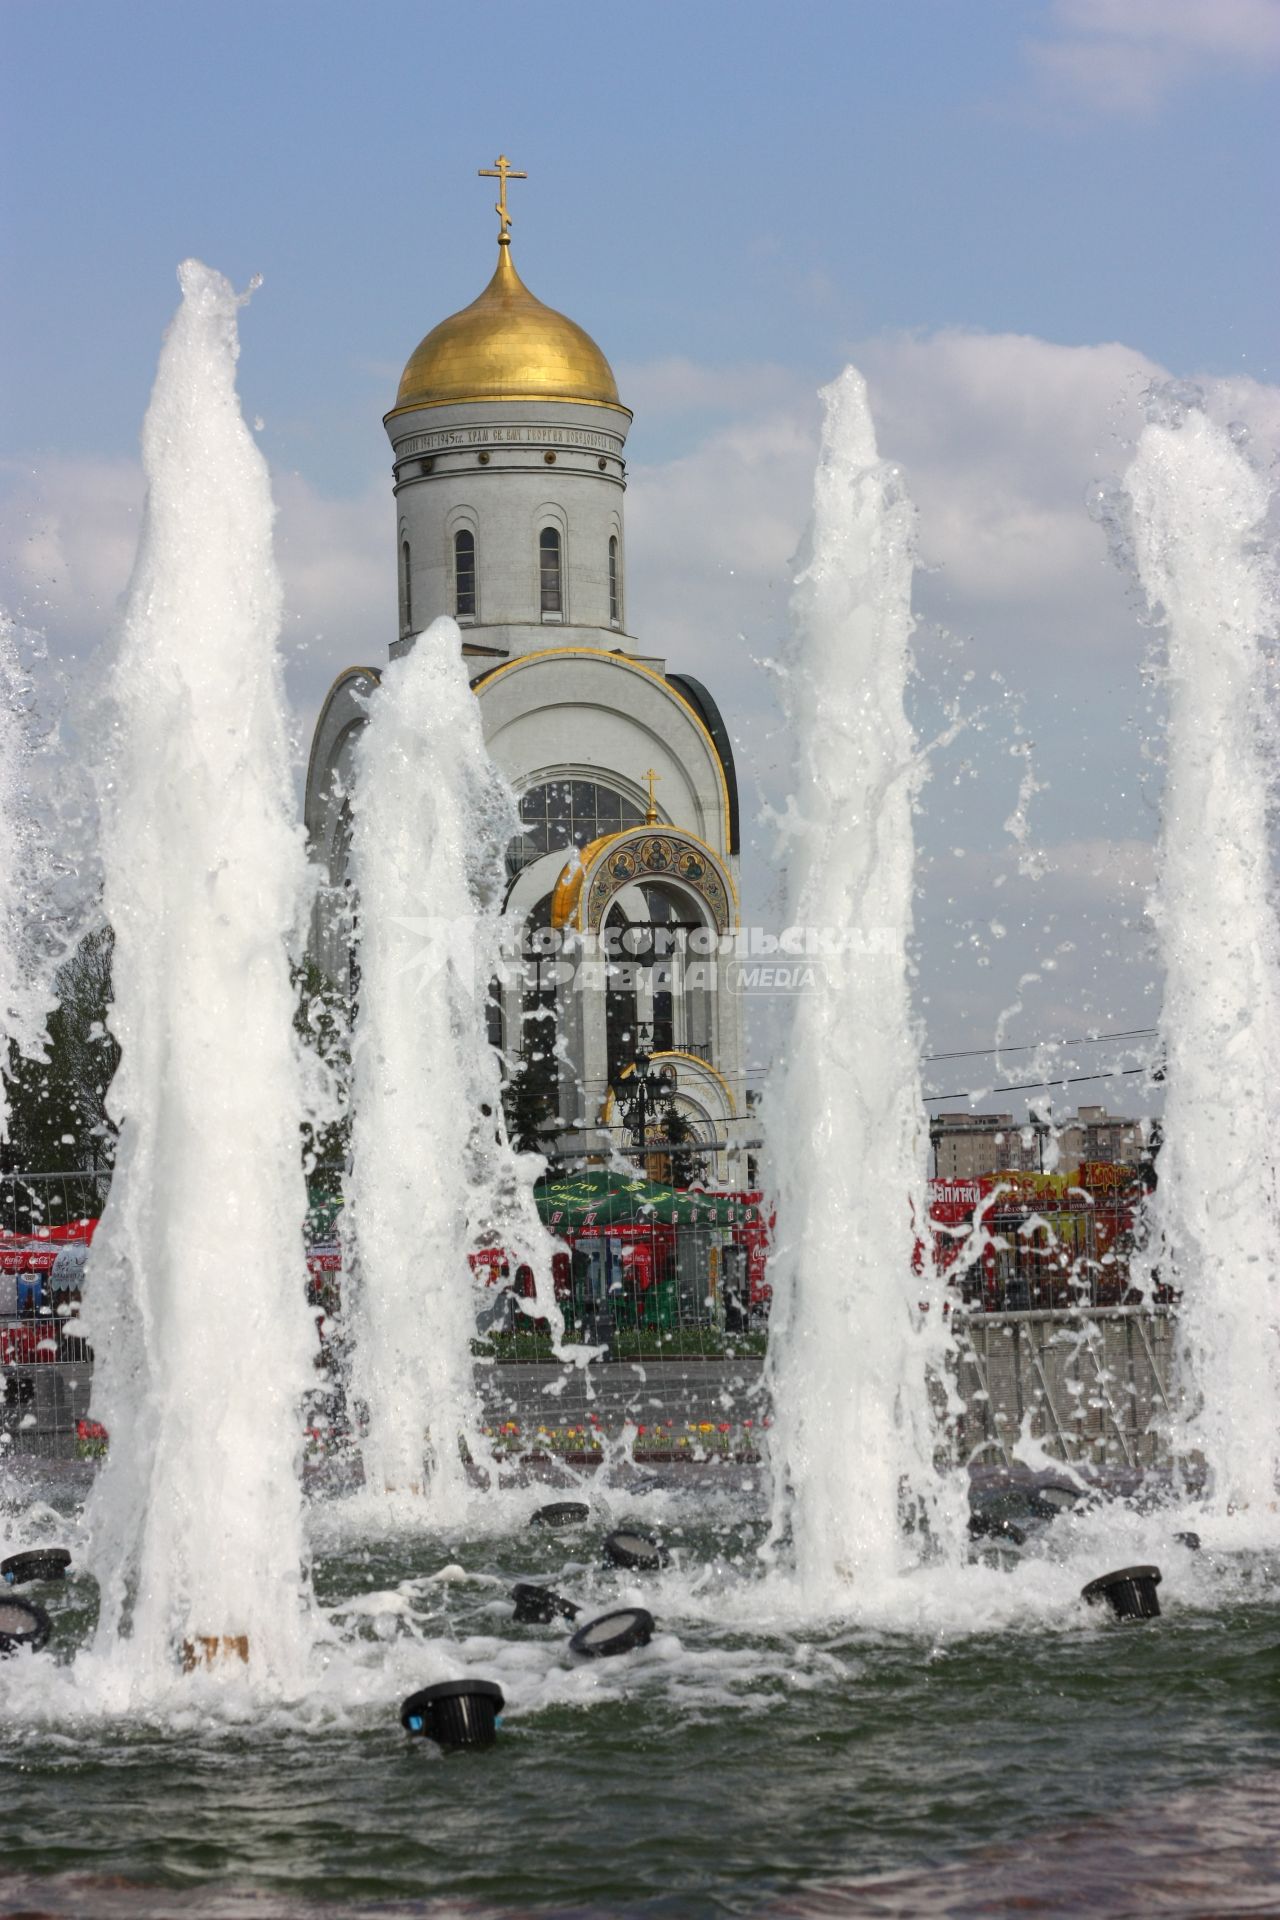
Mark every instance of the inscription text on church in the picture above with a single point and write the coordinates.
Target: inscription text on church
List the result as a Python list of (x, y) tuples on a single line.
[(441, 439)]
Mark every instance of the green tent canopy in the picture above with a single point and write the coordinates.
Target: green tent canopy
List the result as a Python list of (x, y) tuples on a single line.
[(603, 1198)]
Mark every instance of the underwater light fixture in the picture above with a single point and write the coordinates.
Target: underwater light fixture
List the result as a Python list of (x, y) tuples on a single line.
[(1056, 1497), (983, 1526), (37, 1563), (620, 1632), (630, 1548), (1130, 1592), (22, 1624), (455, 1713), (539, 1606), (561, 1513)]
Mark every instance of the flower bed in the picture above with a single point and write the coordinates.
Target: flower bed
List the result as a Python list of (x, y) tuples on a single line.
[(696, 1440)]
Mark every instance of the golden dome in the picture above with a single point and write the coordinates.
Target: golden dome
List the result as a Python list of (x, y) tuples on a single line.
[(506, 346)]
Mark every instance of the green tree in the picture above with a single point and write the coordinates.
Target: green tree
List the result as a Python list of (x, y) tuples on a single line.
[(527, 1101), (322, 1021), (686, 1168)]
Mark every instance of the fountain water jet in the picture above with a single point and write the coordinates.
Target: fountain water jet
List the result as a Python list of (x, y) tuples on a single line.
[(850, 1351), (197, 1282), (433, 1175), (22, 1005), (1198, 509)]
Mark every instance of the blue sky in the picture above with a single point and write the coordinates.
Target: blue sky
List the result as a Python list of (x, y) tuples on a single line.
[(727, 182), (1012, 216)]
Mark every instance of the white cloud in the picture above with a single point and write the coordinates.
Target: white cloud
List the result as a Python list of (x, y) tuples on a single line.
[(69, 535), (1102, 869), (1127, 56), (678, 386), (70, 532), (337, 561), (1000, 435)]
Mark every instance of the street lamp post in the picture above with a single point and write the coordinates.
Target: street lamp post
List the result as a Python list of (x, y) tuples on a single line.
[(648, 1092)]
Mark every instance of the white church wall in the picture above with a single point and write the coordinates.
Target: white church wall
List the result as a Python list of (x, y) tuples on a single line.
[(512, 468), (546, 712)]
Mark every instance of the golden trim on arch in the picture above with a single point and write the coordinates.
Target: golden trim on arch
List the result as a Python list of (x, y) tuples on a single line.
[(565, 894), (673, 693), (596, 848)]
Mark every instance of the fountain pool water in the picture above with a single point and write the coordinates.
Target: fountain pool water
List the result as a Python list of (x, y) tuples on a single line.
[(771, 1750), (742, 1756)]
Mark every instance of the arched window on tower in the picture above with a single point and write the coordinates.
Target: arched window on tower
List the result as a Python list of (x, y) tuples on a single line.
[(549, 580), (464, 574), (406, 590), (615, 583)]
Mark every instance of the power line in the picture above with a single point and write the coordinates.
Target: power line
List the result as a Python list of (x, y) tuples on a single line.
[(1031, 1046), (1023, 1046), (1024, 1086)]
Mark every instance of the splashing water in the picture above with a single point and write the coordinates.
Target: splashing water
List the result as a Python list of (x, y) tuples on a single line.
[(196, 1290), (1198, 508), (433, 1177), (850, 1352), (22, 1003)]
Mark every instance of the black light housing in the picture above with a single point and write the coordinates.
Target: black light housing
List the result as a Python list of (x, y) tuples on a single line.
[(994, 1526), (37, 1563), (455, 1713), (561, 1513), (1055, 1497), (628, 1547), (539, 1606), (1130, 1592), (613, 1633), (22, 1624)]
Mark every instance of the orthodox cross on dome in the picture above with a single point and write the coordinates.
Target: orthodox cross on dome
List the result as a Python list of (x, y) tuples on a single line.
[(502, 170), (651, 818)]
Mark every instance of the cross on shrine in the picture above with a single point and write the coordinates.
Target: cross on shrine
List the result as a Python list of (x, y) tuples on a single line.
[(651, 818), (502, 170)]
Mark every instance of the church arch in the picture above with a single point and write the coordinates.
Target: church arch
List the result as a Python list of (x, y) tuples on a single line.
[(702, 1097), (654, 855), (626, 716), (330, 780), (658, 939)]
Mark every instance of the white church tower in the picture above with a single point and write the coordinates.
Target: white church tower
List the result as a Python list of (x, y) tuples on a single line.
[(508, 440)]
